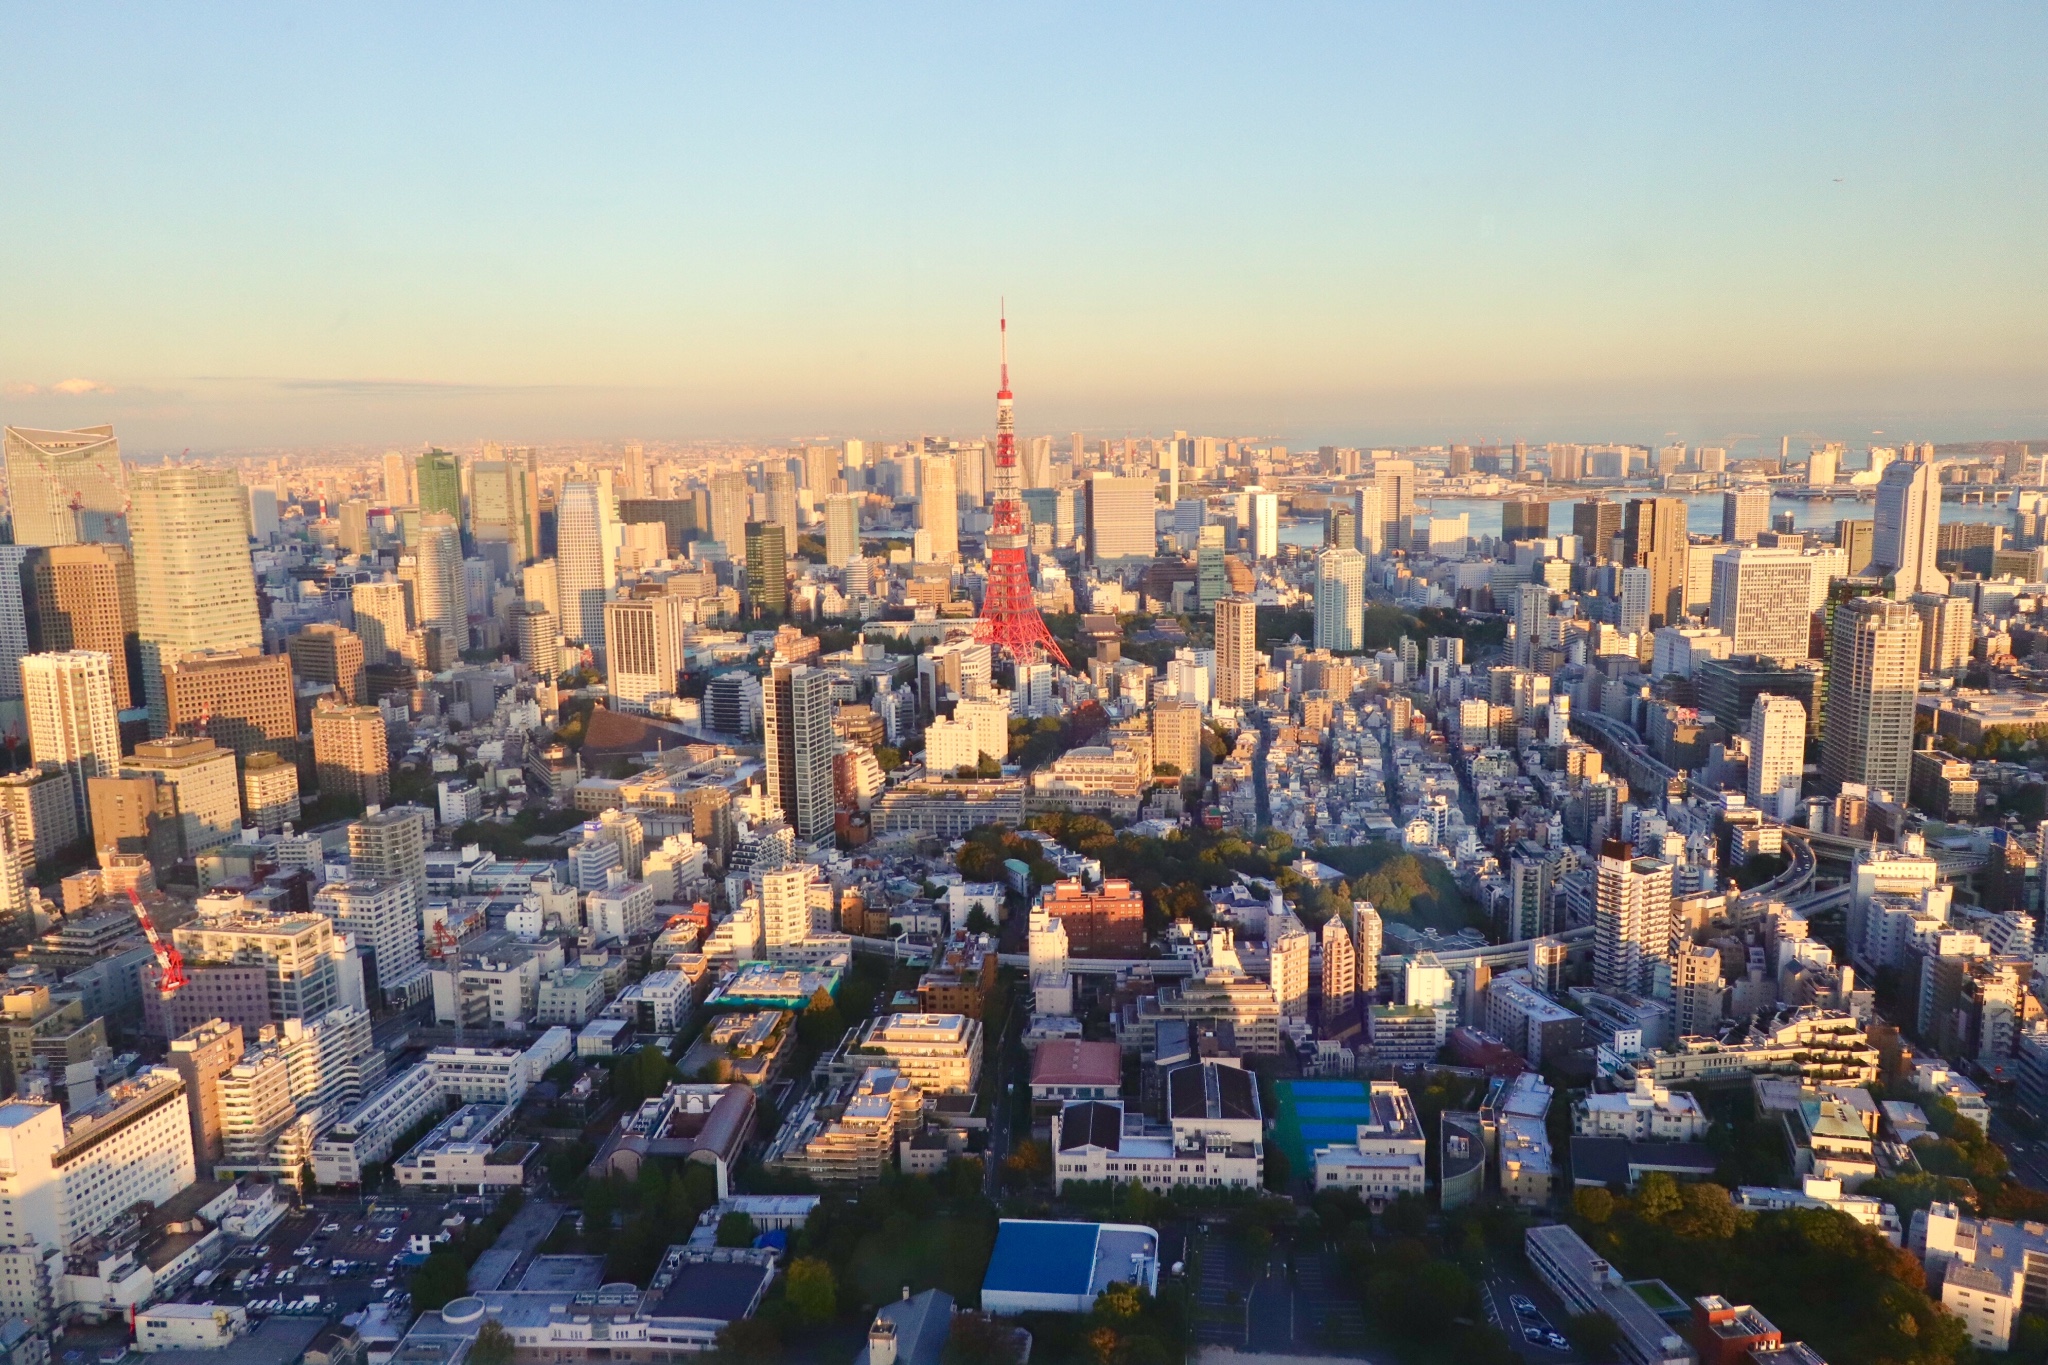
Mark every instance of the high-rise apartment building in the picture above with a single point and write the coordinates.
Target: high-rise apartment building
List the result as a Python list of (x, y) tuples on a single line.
[(786, 915), (1653, 537), (1177, 734), (83, 597), (767, 569), (195, 587), (538, 637), (842, 528), (349, 753), (1945, 632), (1262, 522), (1636, 588), (383, 613), (1777, 752), (42, 816), (439, 485), (1907, 529), (644, 640), (1872, 682), (242, 699), (1744, 513), (1120, 519), (1763, 601), (57, 480), (1631, 919), (1237, 650), (69, 700), (400, 482), (938, 506), (798, 740), (270, 792), (1340, 973), (383, 919), (1340, 600), (1532, 607), (1372, 521), (327, 653), (1696, 991), (199, 796), (1366, 931), (303, 960), (1288, 950), (201, 1058), (1530, 889), (586, 547), (781, 500)]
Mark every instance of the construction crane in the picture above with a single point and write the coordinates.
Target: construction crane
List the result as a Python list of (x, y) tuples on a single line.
[(170, 963), (446, 945)]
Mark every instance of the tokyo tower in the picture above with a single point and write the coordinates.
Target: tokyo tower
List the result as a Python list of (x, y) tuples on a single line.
[(1009, 614)]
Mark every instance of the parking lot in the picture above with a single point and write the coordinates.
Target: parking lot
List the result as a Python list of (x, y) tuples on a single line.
[(341, 1253)]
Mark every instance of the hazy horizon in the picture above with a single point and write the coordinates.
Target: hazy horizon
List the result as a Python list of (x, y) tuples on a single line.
[(254, 229)]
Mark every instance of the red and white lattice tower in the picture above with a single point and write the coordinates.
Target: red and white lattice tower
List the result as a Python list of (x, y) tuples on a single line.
[(1009, 613)]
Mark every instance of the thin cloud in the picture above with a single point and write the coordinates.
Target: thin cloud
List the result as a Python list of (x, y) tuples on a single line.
[(19, 389), (79, 386)]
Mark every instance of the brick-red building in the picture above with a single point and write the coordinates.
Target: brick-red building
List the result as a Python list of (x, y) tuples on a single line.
[(1109, 922)]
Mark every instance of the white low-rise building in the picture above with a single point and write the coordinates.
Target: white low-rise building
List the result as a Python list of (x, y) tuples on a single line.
[(188, 1327), (1819, 1192), (1389, 1156), (464, 1151), (1214, 1137), (1648, 1112), (1984, 1265), (1938, 1081)]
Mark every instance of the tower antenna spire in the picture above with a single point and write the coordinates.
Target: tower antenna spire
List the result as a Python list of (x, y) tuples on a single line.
[(1009, 612)]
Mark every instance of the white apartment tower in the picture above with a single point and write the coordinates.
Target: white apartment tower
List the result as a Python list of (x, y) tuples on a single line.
[(1365, 942), (1777, 753), (842, 528), (938, 506), (1340, 600), (383, 613), (1873, 680), (1762, 600), (1631, 919), (1340, 972), (1288, 946), (72, 721)]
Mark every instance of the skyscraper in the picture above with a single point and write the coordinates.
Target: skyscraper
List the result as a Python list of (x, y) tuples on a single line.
[(54, 476), (767, 569), (195, 588), (1524, 520), (242, 699), (1763, 601), (1637, 588), (797, 712), (383, 619), (439, 485), (327, 653), (1945, 632), (1653, 537), (1777, 752), (349, 753), (1743, 514), (1631, 919), (731, 510), (842, 528), (1237, 650), (1263, 521), (1907, 528), (644, 649), (1396, 482), (1372, 522), (1532, 605), (1121, 525), (1596, 522), (938, 506), (635, 470), (1530, 875), (583, 562), (401, 482), (504, 505), (1340, 600), (782, 503), (443, 598), (1873, 679), (83, 597), (69, 699)]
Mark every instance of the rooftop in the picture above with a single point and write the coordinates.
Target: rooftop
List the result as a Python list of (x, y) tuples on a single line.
[(1076, 1063)]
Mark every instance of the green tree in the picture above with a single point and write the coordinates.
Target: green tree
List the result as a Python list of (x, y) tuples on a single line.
[(444, 1275), (811, 1290), (1595, 1334), (978, 922), (977, 1339), (888, 759), (736, 1229), (1593, 1204), (493, 1344), (748, 1341), (1657, 1197)]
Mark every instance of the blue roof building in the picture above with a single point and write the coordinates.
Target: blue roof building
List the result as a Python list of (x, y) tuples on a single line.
[(1042, 1266)]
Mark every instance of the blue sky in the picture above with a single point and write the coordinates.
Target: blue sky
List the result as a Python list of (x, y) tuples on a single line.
[(236, 227)]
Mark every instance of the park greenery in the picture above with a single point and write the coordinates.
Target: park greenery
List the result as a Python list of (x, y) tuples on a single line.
[(1817, 1274)]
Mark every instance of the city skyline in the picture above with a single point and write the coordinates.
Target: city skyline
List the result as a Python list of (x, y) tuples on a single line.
[(1360, 227)]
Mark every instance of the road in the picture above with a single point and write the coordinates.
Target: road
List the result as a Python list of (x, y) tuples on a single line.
[(1503, 1282), (2029, 1159)]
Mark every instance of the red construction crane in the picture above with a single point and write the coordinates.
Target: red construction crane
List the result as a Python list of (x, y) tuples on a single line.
[(446, 945), (170, 963)]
